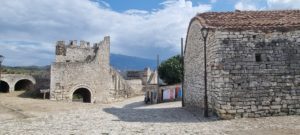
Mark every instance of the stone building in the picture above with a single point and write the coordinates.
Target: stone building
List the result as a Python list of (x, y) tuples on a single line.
[(147, 76), (253, 63), (85, 71), (140, 80)]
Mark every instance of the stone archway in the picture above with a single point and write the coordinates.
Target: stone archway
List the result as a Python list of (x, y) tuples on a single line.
[(82, 95), (24, 84), (4, 87)]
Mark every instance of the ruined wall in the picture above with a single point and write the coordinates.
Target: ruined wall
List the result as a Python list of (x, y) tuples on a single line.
[(12, 79), (144, 75), (73, 52), (136, 85), (86, 67)]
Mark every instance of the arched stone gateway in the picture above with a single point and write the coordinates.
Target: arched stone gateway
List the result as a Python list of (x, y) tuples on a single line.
[(24, 85), (82, 95), (12, 82), (4, 87)]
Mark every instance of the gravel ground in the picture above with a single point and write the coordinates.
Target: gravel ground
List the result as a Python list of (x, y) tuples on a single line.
[(128, 117)]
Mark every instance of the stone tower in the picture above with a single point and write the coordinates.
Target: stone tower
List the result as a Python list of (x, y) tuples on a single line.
[(84, 70)]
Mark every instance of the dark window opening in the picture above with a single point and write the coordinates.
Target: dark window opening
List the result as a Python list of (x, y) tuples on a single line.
[(24, 85), (258, 58), (226, 41), (67, 60), (254, 36), (89, 58), (4, 87), (267, 66), (268, 59), (82, 95)]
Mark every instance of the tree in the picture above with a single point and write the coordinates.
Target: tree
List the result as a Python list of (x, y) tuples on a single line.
[(170, 71)]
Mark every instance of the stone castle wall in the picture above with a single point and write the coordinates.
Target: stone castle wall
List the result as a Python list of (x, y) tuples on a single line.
[(137, 86), (250, 73), (86, 67), (11, 80)]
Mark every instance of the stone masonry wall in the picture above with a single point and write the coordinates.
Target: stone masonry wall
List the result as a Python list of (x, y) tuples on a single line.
[(250, 73), (136, 85), (259, 73), (194, 67)]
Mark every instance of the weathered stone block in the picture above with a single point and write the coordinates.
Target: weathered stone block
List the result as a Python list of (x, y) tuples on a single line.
[(240, 110), (266, 103), (275, 106), (231, 111), (253, 108)]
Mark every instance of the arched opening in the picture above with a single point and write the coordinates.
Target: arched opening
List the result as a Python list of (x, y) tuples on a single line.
[(82, 95), (24, 85), (4, 87)]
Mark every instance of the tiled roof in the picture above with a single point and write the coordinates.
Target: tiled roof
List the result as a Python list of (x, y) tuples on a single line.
[(267, 20)]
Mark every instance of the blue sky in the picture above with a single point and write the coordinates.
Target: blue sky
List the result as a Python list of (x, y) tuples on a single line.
[(29, 29), (150, 5)]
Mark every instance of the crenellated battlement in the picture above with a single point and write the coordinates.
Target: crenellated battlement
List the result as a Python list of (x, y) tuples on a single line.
[(82, 44), (71, 51), (73, 44)]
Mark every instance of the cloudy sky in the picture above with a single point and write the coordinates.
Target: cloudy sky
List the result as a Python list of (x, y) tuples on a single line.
[(142, 28)]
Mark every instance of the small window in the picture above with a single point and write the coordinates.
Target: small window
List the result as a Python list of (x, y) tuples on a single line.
[(258, 58), (226, 41), (268, 59), (254, 36), (67, 60), (267, 66)]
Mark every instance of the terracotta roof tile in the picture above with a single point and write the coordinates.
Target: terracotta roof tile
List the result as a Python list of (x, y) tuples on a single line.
[(266, 20)]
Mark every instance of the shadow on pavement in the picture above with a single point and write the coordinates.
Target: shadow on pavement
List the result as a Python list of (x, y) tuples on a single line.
[(139, 112)]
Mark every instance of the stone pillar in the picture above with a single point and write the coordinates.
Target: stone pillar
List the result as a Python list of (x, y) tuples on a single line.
[(73, 43), (82, 44)]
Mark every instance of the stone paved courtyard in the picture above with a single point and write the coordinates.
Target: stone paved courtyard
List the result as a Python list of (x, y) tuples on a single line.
[(33, 116)]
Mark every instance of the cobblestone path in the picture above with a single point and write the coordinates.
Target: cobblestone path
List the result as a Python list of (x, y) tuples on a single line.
[(133, 117)]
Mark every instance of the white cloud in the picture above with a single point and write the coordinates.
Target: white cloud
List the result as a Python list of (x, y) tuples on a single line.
[(243, 6), (246, 5), (104, 3), (267, 4), (213, 1), (134, 32), (283, 4), (26, 53), (136, 12)]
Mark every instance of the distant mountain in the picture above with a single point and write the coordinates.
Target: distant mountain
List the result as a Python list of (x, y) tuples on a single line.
[(28, 67), (123, 62), (120, 62)]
